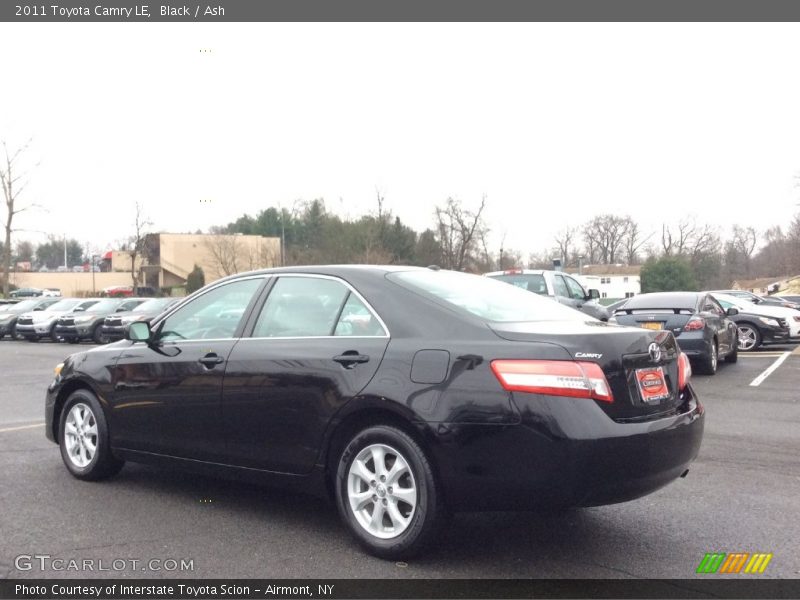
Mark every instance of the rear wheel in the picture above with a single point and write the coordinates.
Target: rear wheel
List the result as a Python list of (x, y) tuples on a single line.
[(83, 438), (708, 364), (749, 337), (387, 494), (53, 335), (733, 355)]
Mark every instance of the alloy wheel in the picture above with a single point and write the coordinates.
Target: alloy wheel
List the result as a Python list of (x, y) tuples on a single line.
[(80, 435), (748, 338), (382, 491)]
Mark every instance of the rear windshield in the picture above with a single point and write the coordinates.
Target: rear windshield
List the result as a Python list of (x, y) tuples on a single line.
[(683, 301), (485, 297), (532, 283)]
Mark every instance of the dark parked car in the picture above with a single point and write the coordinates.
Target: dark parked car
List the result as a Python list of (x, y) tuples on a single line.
[(114, 325), (403, 392), (756, 299), (559, 286), (701, 326), (755, 329), (11, 312), (26, 293), (86, 324), (788, 298)]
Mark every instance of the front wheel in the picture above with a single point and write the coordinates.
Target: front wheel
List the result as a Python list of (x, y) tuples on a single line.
[(387, 493), (84, 440)]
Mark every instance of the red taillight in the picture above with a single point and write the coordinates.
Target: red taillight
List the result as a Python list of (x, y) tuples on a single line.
[(695, 324), (512, 272), (554, 378), (684, 370)]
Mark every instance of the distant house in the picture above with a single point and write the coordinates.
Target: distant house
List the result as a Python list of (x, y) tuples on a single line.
[(612, 281), (764, 285)]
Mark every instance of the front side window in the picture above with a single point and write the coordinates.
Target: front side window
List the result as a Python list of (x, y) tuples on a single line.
[(302, 307), (214, 315), (575, 289), (560, 286)]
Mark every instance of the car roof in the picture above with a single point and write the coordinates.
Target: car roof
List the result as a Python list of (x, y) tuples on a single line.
[(664, 300)]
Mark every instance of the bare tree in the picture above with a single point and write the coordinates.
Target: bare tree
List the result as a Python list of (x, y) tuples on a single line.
[(604, 236), (224, 253), (458, 232), (136, 242), (13, 183), (634, 242), (564, 239)]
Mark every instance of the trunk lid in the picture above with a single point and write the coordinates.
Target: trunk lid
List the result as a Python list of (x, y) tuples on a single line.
[(633, 360)]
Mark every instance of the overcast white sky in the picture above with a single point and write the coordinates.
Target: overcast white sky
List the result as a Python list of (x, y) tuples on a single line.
[(553, 122)]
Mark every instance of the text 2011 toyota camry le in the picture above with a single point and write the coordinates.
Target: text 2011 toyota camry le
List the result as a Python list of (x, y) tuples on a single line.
[(403, 392)]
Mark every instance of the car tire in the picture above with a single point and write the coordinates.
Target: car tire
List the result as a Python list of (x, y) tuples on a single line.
[(708, 364), (53, 335), (84, 439), (409, 499), (97, 335), (752, 336), (733, 356)]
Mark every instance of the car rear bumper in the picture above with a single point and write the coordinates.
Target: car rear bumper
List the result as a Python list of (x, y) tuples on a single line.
[(565, 452), (694, 343)]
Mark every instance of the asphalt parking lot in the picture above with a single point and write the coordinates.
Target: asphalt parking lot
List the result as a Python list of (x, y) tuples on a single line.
[(741, 495)]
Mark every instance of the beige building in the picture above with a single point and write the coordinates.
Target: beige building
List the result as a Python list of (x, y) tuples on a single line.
[(168, 258)]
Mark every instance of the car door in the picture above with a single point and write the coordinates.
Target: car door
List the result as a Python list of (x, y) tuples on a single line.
[(313, 345), (563, 294), (716, 318), (167, 392)]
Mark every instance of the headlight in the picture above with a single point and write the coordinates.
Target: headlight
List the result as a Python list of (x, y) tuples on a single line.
[(58, 368), (770, 322)]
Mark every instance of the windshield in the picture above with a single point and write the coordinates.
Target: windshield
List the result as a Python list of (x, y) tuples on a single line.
[(485, 297), (103, 306), (66, 304), (154, 305), (530, 282), (25, 305)]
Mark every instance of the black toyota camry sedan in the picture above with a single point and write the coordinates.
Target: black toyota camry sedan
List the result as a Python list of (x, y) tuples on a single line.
[(403, 393)]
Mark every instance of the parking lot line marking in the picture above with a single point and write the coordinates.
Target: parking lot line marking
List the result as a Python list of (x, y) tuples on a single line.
[(757, 381), (21, 427), (761, 355)]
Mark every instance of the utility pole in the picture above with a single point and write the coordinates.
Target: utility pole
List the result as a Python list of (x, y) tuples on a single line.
[(65, 251)]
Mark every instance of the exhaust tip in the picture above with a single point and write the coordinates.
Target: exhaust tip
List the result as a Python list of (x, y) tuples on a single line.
[(685, 473)]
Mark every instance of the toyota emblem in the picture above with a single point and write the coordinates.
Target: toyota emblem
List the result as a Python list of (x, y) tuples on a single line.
[(655, 352)]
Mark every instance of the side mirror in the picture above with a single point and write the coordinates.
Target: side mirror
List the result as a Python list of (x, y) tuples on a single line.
[(38, 308), (594, 294), (138, 331), (79, 309), (120, 310), (732, 311)]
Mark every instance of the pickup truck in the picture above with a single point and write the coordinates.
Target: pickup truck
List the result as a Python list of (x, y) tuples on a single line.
[(559, 286)]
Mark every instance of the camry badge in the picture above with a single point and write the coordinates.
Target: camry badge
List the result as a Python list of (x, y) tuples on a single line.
[(655, 352), (587, 355)]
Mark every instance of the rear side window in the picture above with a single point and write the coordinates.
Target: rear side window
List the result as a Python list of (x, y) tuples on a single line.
[(301, 307)]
